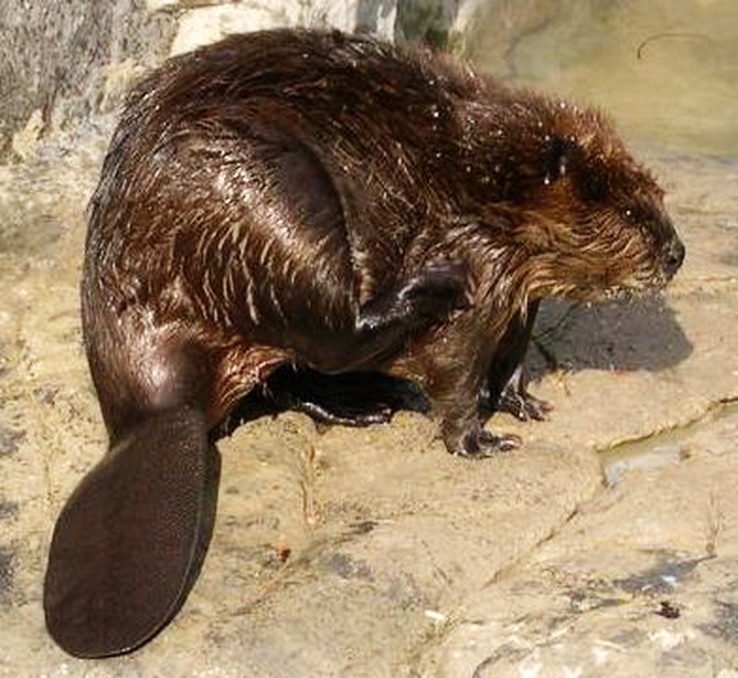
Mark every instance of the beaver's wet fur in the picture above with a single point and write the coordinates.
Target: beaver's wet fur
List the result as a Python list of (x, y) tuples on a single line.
[(334, 204)]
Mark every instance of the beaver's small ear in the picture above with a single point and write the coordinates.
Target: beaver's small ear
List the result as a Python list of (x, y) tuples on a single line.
[(558, 154)]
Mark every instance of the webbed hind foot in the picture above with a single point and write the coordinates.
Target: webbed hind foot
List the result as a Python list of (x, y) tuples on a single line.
[(350, 399)]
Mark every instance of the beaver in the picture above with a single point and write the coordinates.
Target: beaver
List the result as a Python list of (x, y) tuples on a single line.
[(316, 204)]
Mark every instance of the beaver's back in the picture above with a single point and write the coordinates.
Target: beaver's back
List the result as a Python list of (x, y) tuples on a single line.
[(284, 155)]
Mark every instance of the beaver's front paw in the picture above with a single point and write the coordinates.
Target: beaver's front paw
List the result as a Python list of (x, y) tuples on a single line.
[(480, 444)]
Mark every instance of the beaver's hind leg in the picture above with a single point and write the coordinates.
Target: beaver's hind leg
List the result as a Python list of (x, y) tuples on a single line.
[(341, 388)]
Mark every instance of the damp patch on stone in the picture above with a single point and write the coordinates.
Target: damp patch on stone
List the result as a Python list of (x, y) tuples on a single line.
[(663, 577), (9, 440), (346, 567), (725, 624), (650, 453), (661, 449), (7, 558), (8, 510)]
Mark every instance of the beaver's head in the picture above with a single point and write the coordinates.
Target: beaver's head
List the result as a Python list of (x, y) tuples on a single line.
[(595, 220)]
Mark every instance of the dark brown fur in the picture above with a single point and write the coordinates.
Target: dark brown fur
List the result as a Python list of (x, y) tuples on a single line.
[(336, 204)]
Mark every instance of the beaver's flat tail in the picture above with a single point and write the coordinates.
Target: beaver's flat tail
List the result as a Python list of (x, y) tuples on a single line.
[(130, 540)]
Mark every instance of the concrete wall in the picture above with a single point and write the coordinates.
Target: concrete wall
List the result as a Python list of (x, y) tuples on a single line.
[(61, 62)]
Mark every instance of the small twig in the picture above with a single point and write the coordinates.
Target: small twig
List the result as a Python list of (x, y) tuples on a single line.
[(714, 525), (308, 486), (660, 36)]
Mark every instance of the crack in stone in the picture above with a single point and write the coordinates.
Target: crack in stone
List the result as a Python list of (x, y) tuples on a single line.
[(713, 410)]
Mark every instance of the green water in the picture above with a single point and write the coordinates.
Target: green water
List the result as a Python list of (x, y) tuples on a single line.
[(665, 70)]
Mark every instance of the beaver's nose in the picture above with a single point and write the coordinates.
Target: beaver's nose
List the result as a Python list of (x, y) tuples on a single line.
[(672, 256)]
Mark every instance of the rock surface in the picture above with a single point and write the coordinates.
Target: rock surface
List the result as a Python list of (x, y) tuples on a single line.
[(372, 552)]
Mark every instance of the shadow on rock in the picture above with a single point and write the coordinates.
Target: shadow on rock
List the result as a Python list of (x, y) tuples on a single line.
[(632, 334)]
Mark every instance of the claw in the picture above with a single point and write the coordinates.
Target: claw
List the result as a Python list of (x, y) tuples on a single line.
[(522, 405), (480, 444)]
